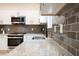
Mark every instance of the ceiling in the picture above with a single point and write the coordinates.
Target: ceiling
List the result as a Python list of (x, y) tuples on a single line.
[(19, 6)]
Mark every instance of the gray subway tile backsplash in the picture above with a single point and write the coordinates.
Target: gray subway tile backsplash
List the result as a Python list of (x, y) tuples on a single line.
[(78, 52), (75, 27), (71, 20), (67, 27), (77, 35), (24, 29), (70, 38), (72, 50), (71, 35)]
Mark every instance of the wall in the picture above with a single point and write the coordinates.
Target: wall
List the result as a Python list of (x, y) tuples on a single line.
[(70, 38), (30, 10)]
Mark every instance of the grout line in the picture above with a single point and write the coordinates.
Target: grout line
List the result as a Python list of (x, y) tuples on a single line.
[(76, 36), (76, 52), (67, 44), (62, 47)]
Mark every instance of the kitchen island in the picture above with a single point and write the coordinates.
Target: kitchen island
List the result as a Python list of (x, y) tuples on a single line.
[(39, 47)]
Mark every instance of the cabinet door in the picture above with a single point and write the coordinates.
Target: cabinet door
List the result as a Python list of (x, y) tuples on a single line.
[(49, 21), (1, 21), (46, 8), (31, 16), (1, 17), (22, 13), (43, 19), (7, 20), (5, 16), (3, 42), (43, 8)]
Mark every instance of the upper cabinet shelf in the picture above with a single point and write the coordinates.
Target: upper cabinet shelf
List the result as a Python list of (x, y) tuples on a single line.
[(50, 9), (44, 8)]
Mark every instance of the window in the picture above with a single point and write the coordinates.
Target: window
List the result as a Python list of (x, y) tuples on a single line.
[(49, 21)]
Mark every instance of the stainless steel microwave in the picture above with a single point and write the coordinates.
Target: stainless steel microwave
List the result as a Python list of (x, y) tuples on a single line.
[(18, 20)]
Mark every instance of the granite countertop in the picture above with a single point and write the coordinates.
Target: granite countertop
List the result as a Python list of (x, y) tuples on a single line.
[(46, 47)]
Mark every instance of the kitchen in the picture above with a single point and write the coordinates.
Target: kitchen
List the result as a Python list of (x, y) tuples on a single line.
[(31, 29), (15, 24)]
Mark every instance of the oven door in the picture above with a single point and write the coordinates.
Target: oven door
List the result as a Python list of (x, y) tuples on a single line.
[(14, 41)]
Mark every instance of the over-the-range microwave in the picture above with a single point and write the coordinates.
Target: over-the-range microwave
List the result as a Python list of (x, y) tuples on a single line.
[(18, 20)]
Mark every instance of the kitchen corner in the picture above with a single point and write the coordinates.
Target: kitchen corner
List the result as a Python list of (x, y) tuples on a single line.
[(13, 34), (39, 29)]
